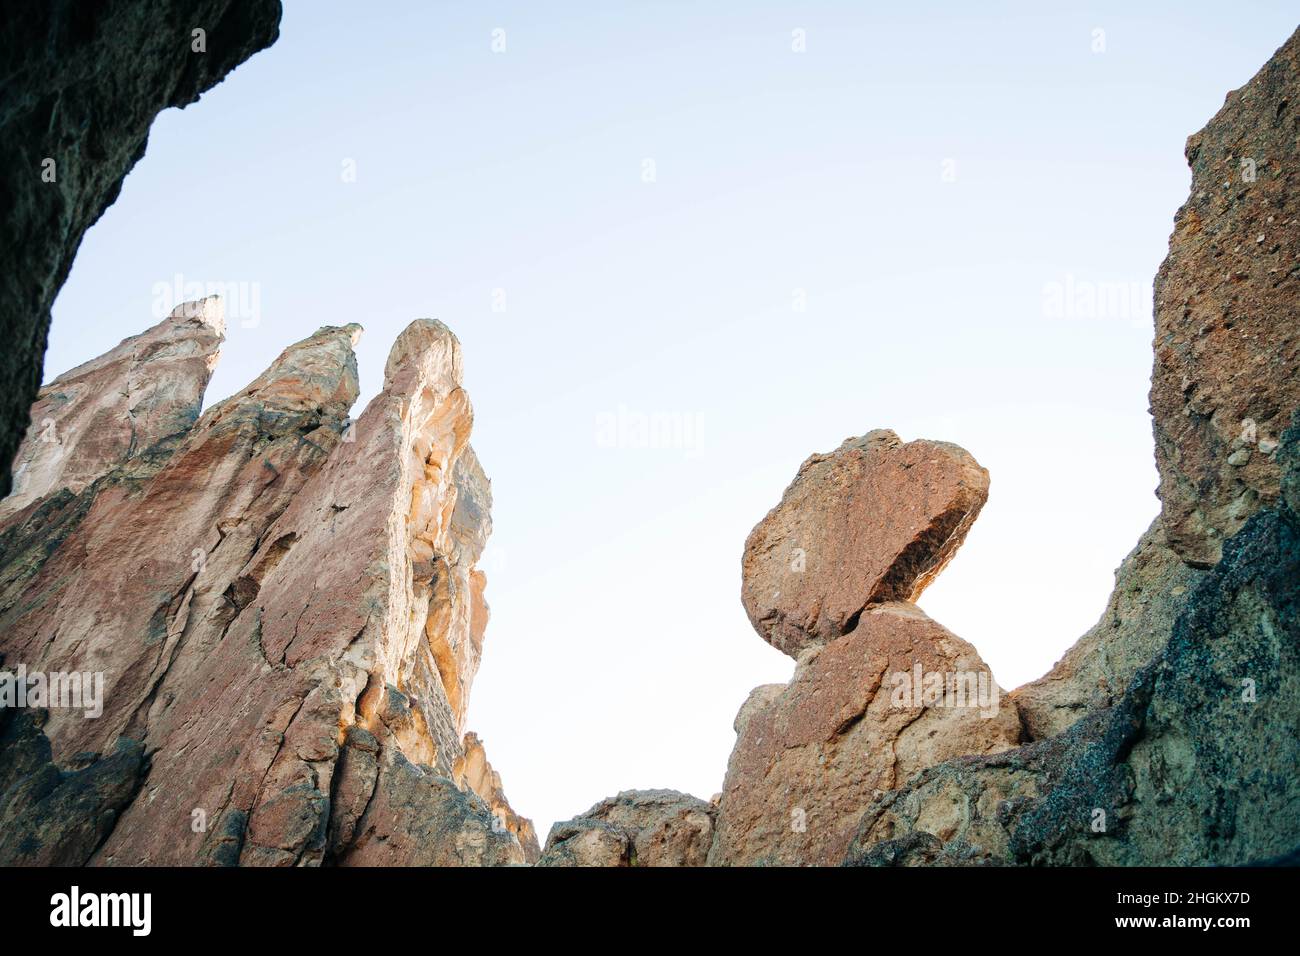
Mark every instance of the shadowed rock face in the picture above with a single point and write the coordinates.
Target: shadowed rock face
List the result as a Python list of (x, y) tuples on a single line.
[(277, 598), (82, 84)]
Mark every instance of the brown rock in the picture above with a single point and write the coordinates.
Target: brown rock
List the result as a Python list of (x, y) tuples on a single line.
[(872, 522), (417, 818), (635, 828), (862, 714), (90, 420), (258, 594), (1227, 338)]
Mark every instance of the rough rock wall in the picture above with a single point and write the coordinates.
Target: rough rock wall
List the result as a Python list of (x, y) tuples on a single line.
[(1227, 342), (82, 84), (259, 593)]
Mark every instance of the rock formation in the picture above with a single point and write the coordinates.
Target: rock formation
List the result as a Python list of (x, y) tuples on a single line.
[(1187, 693), (83, 82), (880, 692), (872, 522), (635, 828), (284, 609), (1168, 733), (1227, 339), (101, 413), (1195, 764)]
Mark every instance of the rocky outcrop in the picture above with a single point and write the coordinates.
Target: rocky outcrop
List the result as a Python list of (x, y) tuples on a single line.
[(1195, 764), (1227, 342), (83, 83), (862, 714), (635, 828), (269, 597), (93, 418), (873, 521), (881, 691), (474, 772)]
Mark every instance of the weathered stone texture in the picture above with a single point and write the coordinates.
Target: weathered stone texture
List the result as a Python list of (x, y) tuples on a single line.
[(1227, 342), (636, 828), (871, 522), (261, 593)]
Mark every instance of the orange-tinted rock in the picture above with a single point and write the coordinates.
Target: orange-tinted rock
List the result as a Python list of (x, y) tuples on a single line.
[(873, 521), (1227, 338), (473, 771), (861, 715)]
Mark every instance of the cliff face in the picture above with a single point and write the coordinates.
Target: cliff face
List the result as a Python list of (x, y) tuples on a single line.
[(1228, 317), (82, 84), (285, 612)]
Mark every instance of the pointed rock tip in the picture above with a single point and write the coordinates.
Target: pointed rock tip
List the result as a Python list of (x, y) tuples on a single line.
[(210, 310), (426, 345)]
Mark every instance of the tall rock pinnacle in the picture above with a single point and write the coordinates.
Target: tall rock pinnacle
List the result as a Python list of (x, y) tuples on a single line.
[(284, 608)]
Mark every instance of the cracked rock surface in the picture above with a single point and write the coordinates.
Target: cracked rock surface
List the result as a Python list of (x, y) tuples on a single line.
[(279, 600)]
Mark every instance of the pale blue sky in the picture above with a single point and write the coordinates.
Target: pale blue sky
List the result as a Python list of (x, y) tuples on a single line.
[(618, 651)]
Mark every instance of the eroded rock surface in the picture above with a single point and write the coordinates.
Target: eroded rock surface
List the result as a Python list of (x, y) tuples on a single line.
[(474, 772), (635, 828), (1227, 341), (83, 83), (871, 522), (268, 596), (862, 714)]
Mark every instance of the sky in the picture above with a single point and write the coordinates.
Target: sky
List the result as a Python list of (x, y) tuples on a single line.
[(764, 227)]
